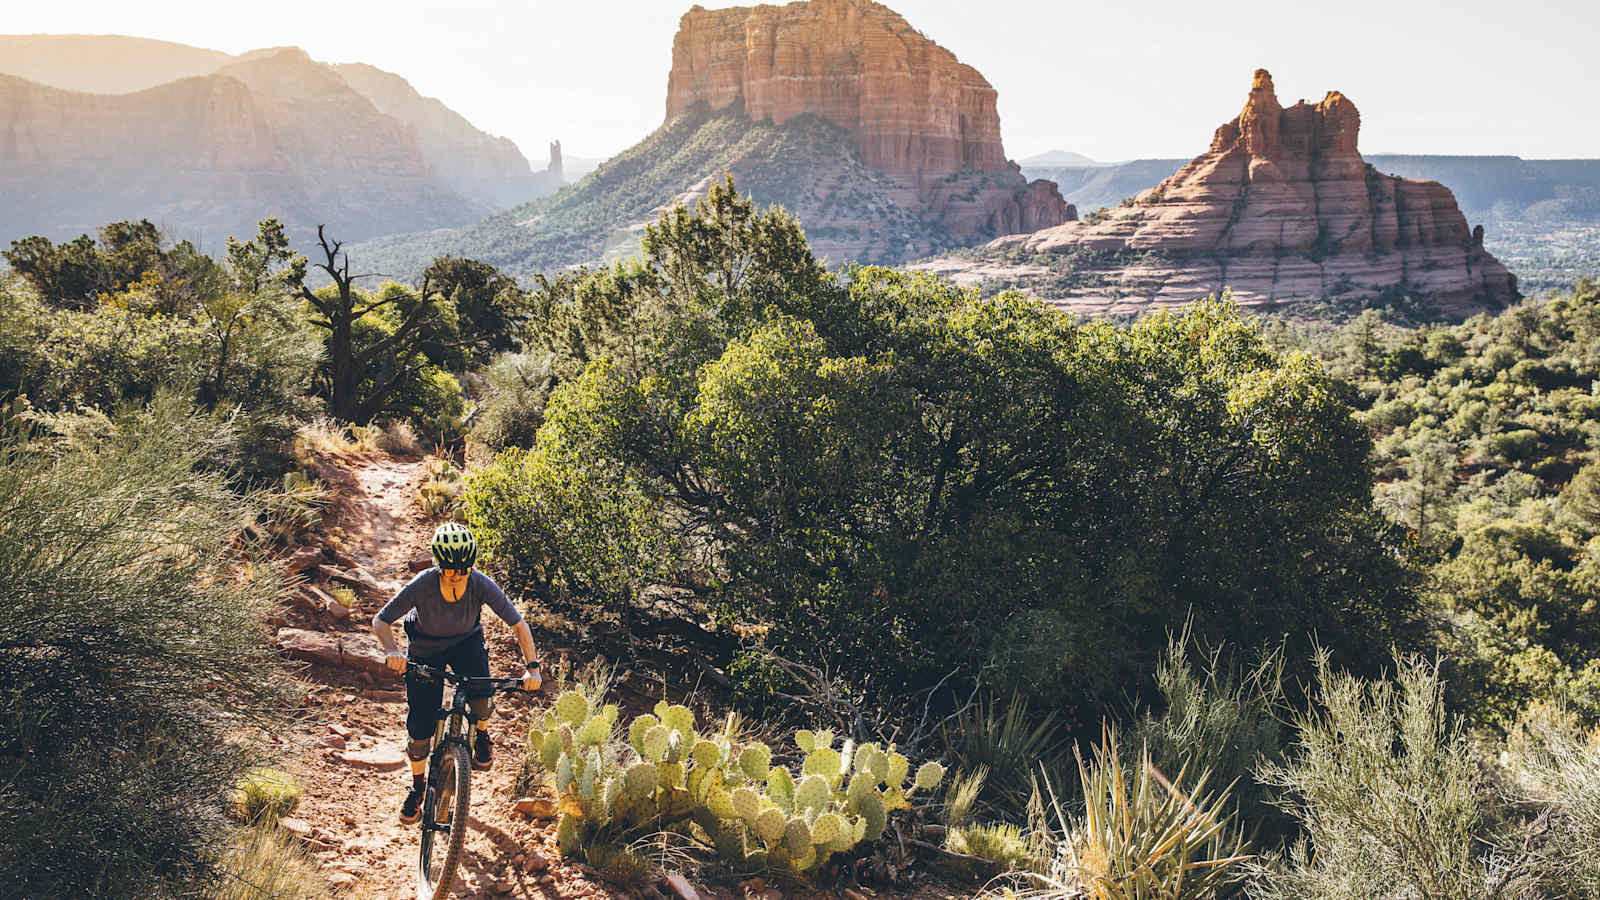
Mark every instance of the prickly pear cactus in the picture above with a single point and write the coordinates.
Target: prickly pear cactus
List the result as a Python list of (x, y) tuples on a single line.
[(669, 774)]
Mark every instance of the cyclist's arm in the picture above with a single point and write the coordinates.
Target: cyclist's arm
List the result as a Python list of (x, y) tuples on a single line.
[(503, 607), (525, 641), (383, 622)]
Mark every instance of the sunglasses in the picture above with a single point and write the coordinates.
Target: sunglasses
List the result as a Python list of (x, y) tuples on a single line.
[(457, 572)]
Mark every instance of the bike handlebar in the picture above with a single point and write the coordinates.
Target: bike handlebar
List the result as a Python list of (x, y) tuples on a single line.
[(507, 685)]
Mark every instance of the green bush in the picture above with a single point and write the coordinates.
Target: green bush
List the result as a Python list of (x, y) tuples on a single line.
[(512, 408), (1386, 790), (131, 654), (1222, 720), (885, 472)]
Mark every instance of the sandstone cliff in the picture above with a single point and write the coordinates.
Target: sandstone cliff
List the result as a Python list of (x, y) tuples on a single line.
[(1281, 208), (488, 169), (913, 111), (103, 63), (209, 156), (271, 132)]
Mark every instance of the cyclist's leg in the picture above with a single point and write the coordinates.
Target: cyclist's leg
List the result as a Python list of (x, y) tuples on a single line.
[(423, 697), (470, 658)]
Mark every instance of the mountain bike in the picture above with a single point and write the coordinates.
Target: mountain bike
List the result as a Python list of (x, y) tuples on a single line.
[(448, 798)]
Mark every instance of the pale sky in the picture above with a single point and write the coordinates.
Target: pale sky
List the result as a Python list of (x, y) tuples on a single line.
[(1147, 79)]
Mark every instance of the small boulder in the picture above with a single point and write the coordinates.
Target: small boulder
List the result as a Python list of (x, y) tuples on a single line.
[(383, 757), (300, 828), (355, 651), (305, 559), (421, 561), (536, 862), (681, 888), (534, 808), (334, 741)]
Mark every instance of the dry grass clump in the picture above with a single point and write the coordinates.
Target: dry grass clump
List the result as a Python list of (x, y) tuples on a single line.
[(399, 439), (326, 437), (265, 861)]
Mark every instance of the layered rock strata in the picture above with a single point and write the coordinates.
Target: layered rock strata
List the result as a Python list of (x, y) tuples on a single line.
[(1282, 208), (913, 110)]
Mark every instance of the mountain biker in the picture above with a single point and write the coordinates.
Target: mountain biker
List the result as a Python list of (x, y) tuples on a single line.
[(442, 609)]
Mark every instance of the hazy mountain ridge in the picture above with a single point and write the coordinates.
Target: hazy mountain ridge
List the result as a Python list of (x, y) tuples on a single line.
[(235, 139)]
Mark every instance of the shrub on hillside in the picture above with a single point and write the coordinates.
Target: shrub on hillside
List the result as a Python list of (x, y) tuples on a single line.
[(1386, 790), (899, 480), (130, 654)]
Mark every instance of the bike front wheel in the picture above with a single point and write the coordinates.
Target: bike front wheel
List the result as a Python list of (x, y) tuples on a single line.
[(444, 824)]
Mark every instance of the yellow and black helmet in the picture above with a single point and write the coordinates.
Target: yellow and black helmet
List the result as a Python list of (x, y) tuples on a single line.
[(454, 546)]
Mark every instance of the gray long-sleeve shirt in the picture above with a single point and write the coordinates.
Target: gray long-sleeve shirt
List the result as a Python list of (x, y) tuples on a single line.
[(434, 624)]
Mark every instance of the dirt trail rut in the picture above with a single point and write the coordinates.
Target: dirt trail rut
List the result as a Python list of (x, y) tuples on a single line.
[(347, 754)]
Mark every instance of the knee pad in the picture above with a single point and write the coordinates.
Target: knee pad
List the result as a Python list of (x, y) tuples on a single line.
[(482, 707), (417, 751)]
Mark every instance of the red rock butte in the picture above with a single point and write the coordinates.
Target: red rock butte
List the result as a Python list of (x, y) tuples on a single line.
[(914, 109), (1281, 208), (916, 112)]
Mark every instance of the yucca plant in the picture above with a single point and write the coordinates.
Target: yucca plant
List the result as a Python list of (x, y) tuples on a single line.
[(1011, 744), (1143, 836)]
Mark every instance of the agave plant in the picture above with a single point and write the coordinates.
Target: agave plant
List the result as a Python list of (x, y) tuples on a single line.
[(1144, 836)]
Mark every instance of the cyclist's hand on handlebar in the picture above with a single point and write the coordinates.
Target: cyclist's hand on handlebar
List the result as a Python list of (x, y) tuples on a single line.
[(396, 663)]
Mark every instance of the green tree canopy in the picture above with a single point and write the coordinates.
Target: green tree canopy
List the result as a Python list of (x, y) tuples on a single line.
[(897, 479)]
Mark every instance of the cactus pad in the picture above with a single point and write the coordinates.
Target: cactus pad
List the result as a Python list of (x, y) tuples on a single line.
[(707, 755), (770, 825), (754, 761), (825, 828), (747, 804), (640, 727), (679, 719), (721, 805), (641, 781), (797, 836), (564, 774), (805, 739), (929, 776), (572, 708), (898, 766), (824, 761), (812, 793), (595, 731), (656, 743), (780, 787)]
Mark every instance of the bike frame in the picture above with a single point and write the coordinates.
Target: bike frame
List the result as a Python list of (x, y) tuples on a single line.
[(454, 726)]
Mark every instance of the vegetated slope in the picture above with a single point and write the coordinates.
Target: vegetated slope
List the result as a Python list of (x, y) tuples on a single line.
[(103, 63), (808, 166)]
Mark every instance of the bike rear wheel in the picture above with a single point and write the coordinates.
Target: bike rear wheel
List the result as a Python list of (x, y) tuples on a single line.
[(444, 825)]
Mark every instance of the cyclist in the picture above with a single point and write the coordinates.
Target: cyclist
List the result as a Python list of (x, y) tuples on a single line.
[(442, 609)]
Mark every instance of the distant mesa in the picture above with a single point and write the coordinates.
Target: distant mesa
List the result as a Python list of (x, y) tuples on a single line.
[(914, 111), (1282, 208), (882, 143)]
